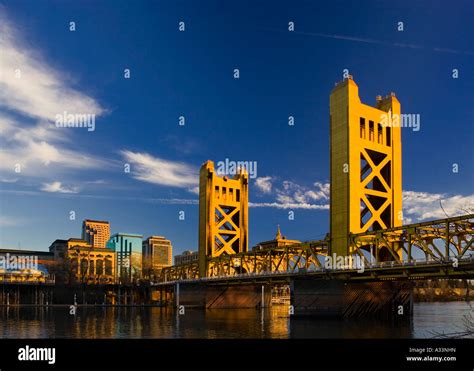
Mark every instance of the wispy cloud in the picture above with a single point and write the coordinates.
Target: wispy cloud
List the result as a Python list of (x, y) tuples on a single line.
[(31, 95), (290, 195), (8, 221), (417, 206), (367, 40), (289, 205), (264, 184), (30, 86), (155, 170), (58, 187), (291, 192), (420, 206), (152, 200)]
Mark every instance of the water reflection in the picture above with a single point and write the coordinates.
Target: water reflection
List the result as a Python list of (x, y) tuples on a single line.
[(152, 322)]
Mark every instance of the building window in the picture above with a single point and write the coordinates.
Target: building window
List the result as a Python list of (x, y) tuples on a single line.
[(371, 130), (389, 136), (362, 128), (84, 267), (100, 267), (108, 267), (379, 134)]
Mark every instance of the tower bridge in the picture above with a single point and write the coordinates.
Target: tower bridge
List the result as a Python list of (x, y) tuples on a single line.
[(366, 221)]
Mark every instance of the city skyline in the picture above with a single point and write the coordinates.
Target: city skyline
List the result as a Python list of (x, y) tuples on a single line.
[(190, 74)]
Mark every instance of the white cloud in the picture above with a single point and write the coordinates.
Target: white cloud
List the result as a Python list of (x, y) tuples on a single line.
[(161, 201), (194, 190), (58, 187), (158, 171), (289, 205), (37, 148), (31, 94), (40, 92), (264, 184), (8, 221), (419, 206), (290, 195), (291, 192)]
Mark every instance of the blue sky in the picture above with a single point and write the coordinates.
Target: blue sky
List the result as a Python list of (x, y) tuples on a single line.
[(190, 74)]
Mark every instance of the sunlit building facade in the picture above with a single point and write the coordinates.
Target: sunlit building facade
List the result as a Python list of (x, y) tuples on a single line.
[(157, 253), (279, 241), (89, 265), (186, 257), (96, 232)]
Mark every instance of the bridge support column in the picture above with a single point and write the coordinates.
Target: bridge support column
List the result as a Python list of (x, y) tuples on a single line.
[(319, 298), (199, 295)]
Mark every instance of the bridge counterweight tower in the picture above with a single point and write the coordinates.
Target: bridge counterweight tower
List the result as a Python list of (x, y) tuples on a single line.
[(366, 167), (223, 215)]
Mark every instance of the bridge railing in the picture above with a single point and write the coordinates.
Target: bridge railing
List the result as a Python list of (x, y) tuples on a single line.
[(437, 240)]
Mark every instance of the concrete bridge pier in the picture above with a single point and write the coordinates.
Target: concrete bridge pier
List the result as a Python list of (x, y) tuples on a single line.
[(325, 298), (209, 296)]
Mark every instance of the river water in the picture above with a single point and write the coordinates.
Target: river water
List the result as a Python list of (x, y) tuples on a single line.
[(153, 322)]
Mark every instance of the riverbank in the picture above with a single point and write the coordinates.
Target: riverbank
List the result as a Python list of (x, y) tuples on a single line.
[(442, 294)]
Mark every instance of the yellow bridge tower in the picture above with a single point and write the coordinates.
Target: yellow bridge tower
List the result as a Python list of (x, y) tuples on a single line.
[(366, 166), (223, 215)]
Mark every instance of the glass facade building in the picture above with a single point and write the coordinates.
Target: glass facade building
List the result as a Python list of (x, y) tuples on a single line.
[(128, 249)]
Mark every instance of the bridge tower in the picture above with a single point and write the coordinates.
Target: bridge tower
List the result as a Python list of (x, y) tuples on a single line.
[(223, 214), (366, 166)]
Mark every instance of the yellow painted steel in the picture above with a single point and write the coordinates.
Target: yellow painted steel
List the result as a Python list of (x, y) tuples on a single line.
[(366, 166), (223, 215), (366, 206), (438, 241)]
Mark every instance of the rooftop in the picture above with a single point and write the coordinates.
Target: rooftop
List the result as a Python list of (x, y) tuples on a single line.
[(96, 221), (127, 234)]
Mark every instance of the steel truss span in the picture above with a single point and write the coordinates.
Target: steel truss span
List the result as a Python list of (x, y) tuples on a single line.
[(431, 248)]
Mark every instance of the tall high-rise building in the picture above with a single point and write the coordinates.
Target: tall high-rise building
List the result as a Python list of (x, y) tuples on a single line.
[(366, 165), (128, 249), (96, 232), (157, 253)]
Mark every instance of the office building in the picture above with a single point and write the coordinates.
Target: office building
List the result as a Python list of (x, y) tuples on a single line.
[(157, 253), (96, 232), (186, 257), (128, 249)]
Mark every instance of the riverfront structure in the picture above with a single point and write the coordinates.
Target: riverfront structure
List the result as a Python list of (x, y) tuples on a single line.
[(366, 195), (365, 223), (77, 261), (223, 214), (366, 166), (128, 249)]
